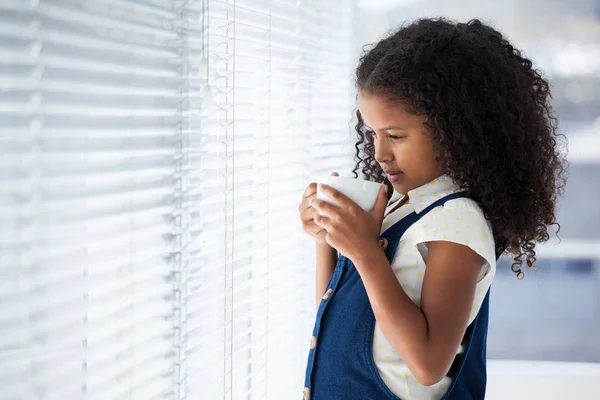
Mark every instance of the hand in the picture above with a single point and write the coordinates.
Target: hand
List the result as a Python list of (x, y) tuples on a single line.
[(351, 230), (307, 214)]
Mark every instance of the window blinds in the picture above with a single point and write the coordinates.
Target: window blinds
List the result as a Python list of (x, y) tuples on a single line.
[(93, 106), (152, 156), (281, 78)]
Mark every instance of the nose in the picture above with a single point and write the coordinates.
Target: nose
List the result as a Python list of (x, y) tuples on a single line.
[(383, 152)]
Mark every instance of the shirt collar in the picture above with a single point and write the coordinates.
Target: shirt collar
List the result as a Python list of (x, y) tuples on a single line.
[(425, 195)]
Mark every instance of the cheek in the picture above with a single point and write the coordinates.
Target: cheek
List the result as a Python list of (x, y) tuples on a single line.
[(404, 155), (429, 160), (417, 156), (409, 152)]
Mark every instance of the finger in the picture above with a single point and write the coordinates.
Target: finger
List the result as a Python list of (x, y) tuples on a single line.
[(323, 207), (322, 235), (309, 214), (381, 203), (336, 196), (305, 205), (323, 222), (335, 174), (314, 229), (310, 190)]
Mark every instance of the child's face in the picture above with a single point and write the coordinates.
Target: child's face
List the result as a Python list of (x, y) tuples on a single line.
[(402, 143)]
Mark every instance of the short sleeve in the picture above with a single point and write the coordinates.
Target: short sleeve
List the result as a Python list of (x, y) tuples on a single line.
[(459, 221)]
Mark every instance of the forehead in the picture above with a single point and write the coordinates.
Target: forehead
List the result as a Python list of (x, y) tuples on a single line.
[(377, 112)]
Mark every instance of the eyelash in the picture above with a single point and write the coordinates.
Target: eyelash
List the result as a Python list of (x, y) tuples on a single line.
[(372, 133)]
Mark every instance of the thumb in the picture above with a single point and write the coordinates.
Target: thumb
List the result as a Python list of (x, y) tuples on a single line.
[(381, 203)]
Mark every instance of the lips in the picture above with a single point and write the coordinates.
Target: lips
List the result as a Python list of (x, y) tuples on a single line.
[(394, 176), (390, 172)]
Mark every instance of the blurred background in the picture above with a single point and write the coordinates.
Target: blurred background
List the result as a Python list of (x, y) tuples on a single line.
[(554, 314), (152, 157)]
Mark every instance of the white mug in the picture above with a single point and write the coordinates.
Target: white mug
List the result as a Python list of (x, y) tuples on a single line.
[(364, 193)]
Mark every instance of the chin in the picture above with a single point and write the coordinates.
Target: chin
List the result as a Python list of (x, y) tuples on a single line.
[(402, 189)]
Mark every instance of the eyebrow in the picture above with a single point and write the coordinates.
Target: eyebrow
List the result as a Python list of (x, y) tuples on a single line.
[(388, 128)]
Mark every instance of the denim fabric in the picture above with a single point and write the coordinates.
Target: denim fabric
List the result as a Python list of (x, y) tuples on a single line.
[(341, 365)]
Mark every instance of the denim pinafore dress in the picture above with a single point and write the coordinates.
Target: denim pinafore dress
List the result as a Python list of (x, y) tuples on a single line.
[(340, 362)]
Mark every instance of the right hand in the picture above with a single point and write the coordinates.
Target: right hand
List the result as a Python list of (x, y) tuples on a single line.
[(308, 212)]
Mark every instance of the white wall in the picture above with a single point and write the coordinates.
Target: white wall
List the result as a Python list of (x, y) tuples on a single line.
[(516, 380)]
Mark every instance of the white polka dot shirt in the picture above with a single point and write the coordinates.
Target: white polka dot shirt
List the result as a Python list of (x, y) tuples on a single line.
[(460, 221)]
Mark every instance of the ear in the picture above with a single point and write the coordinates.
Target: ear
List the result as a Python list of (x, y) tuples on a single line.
[(381, 203)]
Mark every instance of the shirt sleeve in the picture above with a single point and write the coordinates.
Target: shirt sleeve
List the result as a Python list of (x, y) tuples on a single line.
[(459, 221)]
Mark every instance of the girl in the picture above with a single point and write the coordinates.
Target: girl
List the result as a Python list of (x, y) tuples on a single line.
[(457, 124)]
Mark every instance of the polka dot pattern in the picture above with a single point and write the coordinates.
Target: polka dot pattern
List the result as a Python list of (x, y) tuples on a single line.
[(459, 221)]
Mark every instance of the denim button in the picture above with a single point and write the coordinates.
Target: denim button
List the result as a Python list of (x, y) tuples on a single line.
[(327, 293), (313, 342), (383, 242)]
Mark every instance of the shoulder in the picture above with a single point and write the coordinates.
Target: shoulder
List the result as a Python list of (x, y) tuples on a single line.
[(460, 221), (456, 217)]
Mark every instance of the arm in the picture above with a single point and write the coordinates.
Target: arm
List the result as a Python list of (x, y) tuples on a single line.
[(326, 260), (428, 337)]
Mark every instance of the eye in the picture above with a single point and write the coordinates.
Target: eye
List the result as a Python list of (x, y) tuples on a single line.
[(368, 132), (392, 137)]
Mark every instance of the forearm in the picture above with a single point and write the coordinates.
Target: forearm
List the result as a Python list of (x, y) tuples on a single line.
[(402, 322), (326, 260)]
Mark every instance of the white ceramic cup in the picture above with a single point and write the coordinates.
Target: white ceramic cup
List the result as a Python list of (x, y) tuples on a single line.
[(364, 193)]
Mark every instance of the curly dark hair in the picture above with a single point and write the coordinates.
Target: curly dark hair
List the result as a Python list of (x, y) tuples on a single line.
[(488, 112)]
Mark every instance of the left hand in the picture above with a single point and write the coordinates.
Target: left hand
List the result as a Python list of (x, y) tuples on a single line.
[(351, 230)]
